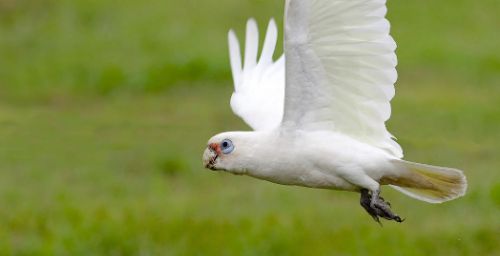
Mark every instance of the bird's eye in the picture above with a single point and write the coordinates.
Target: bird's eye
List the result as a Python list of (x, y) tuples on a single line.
[(227, 146)]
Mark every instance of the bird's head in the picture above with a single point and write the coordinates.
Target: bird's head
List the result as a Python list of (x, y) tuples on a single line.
[(228, 152)]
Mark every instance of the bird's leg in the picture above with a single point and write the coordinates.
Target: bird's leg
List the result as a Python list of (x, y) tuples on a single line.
[(375, 197), (365, 202), (377, 207)]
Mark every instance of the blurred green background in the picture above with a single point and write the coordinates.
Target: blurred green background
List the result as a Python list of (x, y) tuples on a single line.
[(106, 106)]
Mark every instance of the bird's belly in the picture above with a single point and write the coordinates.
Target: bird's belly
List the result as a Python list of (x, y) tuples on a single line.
[(309, 178)]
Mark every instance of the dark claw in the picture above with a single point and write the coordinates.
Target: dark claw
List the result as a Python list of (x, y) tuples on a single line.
[(377, 207)]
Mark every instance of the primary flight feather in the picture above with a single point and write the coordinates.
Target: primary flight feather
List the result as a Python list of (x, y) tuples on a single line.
[(319, 111)]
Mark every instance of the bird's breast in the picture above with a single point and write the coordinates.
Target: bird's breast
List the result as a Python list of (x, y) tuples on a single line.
[(312, 159)]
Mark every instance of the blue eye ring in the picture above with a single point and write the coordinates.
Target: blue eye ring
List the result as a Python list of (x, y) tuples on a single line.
[(226, 146)]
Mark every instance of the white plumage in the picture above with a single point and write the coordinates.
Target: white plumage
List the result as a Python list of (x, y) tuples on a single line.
[(319, 116), (340, 71), (259, 87)]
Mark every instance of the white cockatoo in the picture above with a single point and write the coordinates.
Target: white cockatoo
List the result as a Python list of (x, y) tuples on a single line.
[(319, 111)]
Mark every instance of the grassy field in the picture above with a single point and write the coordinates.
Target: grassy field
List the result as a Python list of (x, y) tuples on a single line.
[(105, 110)]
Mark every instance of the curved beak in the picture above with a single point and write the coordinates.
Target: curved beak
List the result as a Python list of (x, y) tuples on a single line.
[(210, 156)]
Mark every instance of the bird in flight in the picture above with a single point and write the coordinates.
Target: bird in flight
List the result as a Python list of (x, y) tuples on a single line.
[(318, 112)]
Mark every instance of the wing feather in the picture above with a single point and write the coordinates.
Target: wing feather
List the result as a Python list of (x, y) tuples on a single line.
[(251, 44), (269, 43), (259, 87), (340, 69), (235, 57)]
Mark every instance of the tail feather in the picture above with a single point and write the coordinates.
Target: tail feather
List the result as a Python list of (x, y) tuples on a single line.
[(428, 183)]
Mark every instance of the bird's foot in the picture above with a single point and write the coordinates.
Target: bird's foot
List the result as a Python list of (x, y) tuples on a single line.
[(377, 207)]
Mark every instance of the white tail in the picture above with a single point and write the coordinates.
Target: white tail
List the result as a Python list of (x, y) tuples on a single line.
[(428, 183)]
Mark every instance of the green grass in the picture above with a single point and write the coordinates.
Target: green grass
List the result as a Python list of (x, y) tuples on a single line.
[(106, 108), (51, 48)]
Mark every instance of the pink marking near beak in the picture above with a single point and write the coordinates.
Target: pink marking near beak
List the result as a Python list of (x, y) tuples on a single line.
[(215, 147)]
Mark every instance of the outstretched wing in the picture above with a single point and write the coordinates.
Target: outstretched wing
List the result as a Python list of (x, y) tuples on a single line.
[(340, 69), (259, 86)]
